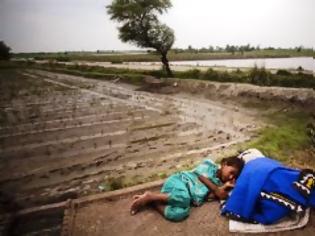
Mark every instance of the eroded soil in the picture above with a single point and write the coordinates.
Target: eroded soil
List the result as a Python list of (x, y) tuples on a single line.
[(71, 136)]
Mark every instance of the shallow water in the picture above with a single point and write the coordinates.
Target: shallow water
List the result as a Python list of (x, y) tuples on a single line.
[(307, 63)]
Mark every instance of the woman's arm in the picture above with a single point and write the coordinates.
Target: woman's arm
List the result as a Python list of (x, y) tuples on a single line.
[(220, 192)]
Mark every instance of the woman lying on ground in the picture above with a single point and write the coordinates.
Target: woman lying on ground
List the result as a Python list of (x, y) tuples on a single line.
[(187, 188)]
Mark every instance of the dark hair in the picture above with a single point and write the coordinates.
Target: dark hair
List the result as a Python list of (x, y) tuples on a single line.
[(235, 162)]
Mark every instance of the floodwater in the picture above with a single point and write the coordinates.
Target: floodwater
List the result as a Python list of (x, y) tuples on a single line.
[(307, 63)]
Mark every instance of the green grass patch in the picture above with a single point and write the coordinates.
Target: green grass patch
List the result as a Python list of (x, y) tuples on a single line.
[(286, 135), (257, 76)]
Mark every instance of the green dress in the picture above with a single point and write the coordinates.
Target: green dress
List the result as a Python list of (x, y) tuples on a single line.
[(184, 188)]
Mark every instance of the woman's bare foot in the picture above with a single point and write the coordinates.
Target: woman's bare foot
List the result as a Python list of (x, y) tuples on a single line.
[(140, 201)]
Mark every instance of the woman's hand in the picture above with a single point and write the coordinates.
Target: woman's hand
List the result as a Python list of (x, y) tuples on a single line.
[(223, 191), (229, 185), (220, 192)]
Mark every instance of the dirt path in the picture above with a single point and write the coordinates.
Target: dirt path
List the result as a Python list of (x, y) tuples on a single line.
[(113, 218), (108, 214)]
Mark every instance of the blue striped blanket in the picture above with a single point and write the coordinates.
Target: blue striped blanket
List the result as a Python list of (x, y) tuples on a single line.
[(266, 191)]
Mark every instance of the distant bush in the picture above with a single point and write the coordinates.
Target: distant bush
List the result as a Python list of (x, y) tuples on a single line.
[(39, 58), (238, 71), (117, 62), (211, 74), (4, 51), (158, 73), (260, 76), (299, 80), (283, 72), (191, 74), (63, 59)]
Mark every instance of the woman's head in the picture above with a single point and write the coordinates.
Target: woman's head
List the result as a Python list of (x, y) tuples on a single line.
[(230, 169)]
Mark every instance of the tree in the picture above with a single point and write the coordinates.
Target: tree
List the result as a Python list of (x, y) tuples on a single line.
[(227, 48), (219, 49), (231, 48), (299, 49), (4, 51), (140, 25)]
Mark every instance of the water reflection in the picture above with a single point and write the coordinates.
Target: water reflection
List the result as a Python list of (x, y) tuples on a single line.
[(307, 63)]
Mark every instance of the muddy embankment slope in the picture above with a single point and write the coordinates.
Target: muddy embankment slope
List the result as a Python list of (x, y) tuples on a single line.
[(303, 97)]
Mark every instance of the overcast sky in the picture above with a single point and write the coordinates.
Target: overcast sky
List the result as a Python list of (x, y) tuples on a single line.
[(72, 25)]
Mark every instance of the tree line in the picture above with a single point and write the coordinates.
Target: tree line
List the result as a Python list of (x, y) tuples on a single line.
[(231, 48)]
